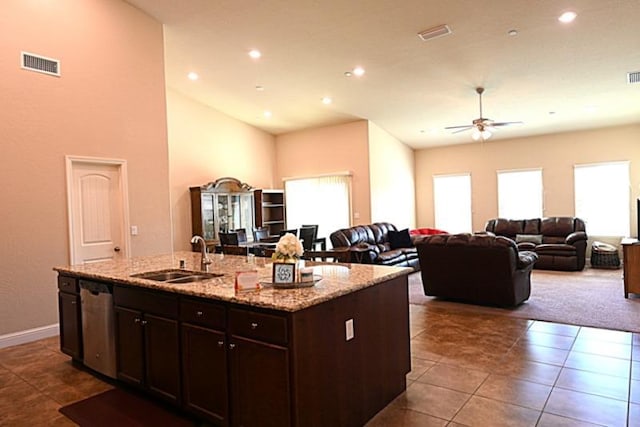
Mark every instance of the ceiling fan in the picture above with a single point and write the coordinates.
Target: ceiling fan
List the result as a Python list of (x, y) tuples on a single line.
[(482, 127)]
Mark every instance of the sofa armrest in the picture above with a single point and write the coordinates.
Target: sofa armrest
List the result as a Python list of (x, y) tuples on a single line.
[(576, 236), (526, 259)]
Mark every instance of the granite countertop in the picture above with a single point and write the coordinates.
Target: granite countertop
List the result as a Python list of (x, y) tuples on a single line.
[(337, 279)]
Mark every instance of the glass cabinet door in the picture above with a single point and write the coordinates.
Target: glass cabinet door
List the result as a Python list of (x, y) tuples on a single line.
[(208, 219), (224, 213)]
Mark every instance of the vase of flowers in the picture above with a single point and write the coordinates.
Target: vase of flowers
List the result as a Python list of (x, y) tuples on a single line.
[(288, 249)]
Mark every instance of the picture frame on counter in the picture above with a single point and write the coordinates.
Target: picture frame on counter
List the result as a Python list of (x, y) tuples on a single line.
[(283, 273)]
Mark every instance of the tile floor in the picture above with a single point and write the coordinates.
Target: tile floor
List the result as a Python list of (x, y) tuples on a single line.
[(469, 369)]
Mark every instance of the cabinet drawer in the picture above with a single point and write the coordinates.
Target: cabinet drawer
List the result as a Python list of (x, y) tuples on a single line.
[(153, 302), (68, 284), (202, 313), (261, 326)]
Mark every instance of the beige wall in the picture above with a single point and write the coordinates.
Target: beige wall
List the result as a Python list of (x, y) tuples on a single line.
[(391, 169), (109, 102), (555, 154), (204, 145), (327, 150)]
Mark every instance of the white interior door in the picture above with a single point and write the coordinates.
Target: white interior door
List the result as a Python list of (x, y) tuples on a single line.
[(97, 210)]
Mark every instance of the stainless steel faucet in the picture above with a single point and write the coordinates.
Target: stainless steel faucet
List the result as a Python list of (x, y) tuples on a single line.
[(204, 261)]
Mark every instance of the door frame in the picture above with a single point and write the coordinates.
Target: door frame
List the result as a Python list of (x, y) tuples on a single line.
[(121, 165)]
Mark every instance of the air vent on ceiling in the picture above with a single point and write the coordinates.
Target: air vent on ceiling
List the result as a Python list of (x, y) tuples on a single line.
[(432, 33), (40, 64), (633, 77)]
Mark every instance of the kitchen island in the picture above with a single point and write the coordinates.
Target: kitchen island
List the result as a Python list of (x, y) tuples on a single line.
[(332, 354)]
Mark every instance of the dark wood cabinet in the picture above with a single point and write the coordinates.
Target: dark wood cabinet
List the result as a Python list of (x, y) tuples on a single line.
[(147, 341), (260, 383), (130, 347), (70, 317), (259, 359), (270, 210), (204, 360)]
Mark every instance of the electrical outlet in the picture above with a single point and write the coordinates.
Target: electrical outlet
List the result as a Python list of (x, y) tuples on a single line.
[(349, 329)]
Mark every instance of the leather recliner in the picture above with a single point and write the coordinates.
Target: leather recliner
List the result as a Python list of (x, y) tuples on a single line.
[(479, 269), (560, 242)]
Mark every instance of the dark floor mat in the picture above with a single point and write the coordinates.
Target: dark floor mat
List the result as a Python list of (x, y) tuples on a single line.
[(122, 408)]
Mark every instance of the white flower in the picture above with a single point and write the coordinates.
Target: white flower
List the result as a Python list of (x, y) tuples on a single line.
[(289, 247)]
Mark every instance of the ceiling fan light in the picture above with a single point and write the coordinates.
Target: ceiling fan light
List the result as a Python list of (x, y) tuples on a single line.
[(485, 134), (476, 134)]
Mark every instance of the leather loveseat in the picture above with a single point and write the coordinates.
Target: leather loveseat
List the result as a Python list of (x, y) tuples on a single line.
[(560, 242), (377, 244), (479, 269)]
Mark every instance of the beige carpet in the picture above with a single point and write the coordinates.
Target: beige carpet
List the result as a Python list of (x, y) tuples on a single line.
[(592, 297)]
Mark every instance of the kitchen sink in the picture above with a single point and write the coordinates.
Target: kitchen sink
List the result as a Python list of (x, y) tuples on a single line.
[(176, 276)]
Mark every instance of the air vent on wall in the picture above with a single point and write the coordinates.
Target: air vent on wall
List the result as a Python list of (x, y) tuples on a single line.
[(432, 33), (633, 77), (40, 64)]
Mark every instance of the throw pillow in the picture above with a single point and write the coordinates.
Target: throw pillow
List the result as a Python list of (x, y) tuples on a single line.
[(400, 239), (532, 238)]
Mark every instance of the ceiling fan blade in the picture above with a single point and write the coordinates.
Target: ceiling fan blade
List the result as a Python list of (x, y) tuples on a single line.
[(459, 127), (506, 123), (466, 128)]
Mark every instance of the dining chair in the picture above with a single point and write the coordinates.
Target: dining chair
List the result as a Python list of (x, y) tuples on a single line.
[(293, 231), (260, 234), (308, 237), (242, 235), (230, 238)]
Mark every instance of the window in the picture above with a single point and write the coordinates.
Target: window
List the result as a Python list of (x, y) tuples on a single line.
[(452, 203), (602, 198), (520, 194), (325, 201)]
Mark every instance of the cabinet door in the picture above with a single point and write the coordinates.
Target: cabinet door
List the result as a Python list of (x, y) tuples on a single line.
[(70, 324), (259, 384), (129, 342), (162, 357), (204, 373)]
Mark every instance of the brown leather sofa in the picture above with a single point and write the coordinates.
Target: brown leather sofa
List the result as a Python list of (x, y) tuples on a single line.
[(370, 244), (480, 269), (560, 242)]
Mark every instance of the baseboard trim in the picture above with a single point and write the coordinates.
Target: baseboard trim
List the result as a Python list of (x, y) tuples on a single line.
[(28, 335)]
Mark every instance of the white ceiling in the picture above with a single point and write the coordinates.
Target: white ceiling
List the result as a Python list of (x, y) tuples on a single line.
[(411, 88)]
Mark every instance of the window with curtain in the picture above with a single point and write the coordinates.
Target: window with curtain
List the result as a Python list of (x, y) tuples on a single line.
[(324, 200), (602, 198), (520, 194), (452, 203)]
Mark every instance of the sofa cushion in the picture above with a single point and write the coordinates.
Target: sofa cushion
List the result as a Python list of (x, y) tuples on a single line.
[(558, 226), (399, 239), (533, 238), (556, 249), (509, 227), (390, 257)]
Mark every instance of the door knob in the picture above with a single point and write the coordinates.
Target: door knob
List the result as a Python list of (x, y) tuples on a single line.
[(116, 249)]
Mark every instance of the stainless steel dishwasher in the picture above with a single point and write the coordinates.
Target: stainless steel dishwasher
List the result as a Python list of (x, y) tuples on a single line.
[(98, 328)]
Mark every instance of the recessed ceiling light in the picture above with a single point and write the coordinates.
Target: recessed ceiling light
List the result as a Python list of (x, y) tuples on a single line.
[(255, 54), (326, 100), (358, 71), (267, 114), (551, 113), (193, 76), (348, 74), (512, 33), (259, 88), (567, 17)]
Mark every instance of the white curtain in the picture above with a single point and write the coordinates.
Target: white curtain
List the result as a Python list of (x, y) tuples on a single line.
[(324, 200), (602, 198), (452, 203), (520, 194)]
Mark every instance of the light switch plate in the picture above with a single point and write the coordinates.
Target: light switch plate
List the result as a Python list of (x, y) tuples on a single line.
[(134, 230), (349, 329)]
